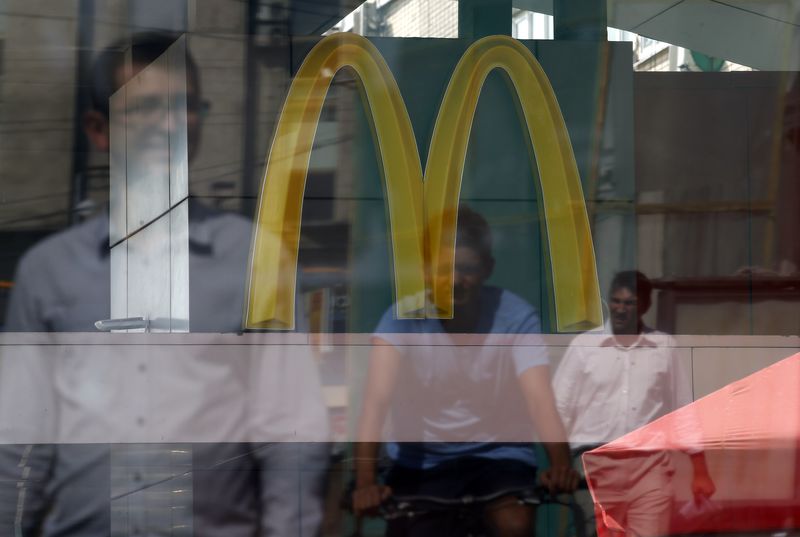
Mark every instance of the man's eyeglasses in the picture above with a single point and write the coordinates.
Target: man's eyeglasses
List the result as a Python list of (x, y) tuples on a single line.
[(155, 106)]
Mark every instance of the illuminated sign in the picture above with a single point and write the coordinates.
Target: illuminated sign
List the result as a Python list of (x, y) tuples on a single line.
[(422, 208)]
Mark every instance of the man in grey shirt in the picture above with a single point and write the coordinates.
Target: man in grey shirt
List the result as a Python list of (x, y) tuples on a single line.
[(77, 487)]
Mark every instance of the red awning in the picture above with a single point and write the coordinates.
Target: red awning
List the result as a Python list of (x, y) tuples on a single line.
[(747, 434)]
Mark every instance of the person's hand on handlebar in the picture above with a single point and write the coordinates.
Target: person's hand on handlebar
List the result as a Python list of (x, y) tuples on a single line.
[(367, 499), (560, 478)]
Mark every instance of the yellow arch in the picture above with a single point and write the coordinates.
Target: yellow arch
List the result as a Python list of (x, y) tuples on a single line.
[(273, 264), (273, 259), (572, 261)]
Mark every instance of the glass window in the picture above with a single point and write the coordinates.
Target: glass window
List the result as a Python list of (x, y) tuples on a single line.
[(268, 266)]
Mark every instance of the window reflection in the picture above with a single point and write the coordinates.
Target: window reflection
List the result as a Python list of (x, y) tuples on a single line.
[(153, 439), (132, 160)]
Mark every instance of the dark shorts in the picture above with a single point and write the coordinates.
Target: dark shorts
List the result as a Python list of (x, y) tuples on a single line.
[(473, 476)]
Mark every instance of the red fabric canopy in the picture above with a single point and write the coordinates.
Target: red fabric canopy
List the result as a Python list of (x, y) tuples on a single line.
[(746, 433)]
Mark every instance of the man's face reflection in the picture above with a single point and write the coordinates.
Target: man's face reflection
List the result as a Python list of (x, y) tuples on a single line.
[(624, 311), (154, 111), (469, 274)]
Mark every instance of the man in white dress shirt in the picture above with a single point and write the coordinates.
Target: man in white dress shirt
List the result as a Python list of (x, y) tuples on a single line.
[(613, 381)]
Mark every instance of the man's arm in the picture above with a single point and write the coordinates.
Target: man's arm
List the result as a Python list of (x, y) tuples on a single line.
[(381, 378), (27, 411), (681, 377), (24, 312), (535, 383), (690, 429), (567, 385), (702, 483)]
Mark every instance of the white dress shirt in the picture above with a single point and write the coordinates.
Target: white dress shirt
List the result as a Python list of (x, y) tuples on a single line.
[(605, 390)]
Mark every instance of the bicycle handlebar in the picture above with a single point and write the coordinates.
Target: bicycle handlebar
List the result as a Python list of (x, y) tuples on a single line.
[(398, 507), (535, 494), (531, 496)]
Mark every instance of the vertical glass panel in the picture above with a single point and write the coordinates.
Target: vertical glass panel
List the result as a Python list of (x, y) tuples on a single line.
[(183, 110), (118, 184), (119, 281), (149, 274), (179, 267), (147, 140), (151, 489)]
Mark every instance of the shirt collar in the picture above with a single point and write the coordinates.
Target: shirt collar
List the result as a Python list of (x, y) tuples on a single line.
[(200, 234), (641, 341)]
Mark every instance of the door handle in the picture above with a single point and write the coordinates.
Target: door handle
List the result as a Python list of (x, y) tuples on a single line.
[(128, 323)]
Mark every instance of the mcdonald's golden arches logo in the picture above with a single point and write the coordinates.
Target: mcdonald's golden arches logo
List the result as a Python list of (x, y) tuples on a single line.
[(422, 208)]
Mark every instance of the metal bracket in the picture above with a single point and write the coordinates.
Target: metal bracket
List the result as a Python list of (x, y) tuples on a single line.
[(128, 323)]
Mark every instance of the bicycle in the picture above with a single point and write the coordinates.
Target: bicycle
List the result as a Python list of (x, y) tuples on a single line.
[(466, 513)]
